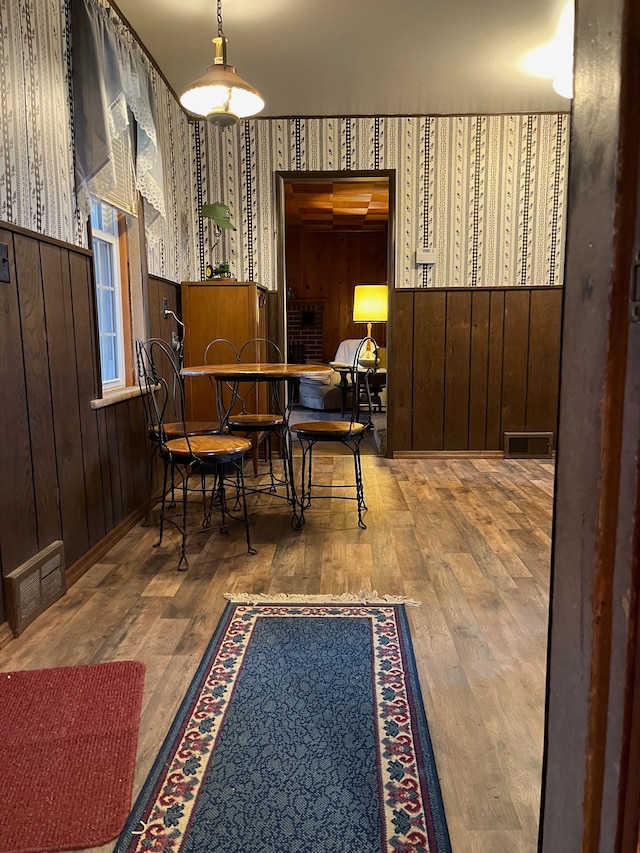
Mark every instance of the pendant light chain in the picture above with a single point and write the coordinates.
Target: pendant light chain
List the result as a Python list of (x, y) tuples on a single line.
[(219, 18)]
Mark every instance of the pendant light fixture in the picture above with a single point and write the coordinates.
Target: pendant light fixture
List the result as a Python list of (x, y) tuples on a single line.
[(221, 95)]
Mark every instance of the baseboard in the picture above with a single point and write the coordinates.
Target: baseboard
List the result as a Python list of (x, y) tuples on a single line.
[(448, 454), (6, 634), (81, 566)]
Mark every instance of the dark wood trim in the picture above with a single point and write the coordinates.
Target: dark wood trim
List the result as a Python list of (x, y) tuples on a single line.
[(595, 587), (350, 175), (42, 238), (485, 289), (163, 280), (448, 454), (6, 634)]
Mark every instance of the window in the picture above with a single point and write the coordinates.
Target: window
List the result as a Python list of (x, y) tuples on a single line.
[(111, 293)]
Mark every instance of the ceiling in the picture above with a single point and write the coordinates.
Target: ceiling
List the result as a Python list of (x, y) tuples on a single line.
[(337, 205), (361, 57)]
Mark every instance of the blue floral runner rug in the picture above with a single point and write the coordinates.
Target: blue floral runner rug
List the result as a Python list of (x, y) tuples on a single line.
[(303, 731)]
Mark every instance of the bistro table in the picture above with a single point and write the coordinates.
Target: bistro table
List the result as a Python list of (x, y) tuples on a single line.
[(233, 374)]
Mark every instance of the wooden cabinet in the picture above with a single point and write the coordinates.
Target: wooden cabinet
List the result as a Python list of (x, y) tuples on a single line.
[(220, 308)]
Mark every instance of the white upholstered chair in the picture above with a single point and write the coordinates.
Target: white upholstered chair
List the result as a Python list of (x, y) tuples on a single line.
[(325, 392)]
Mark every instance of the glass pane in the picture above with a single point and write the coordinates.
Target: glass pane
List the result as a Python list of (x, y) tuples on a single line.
[(109, 219), (106, 310), (108, 357), (96, 214), (103, 261)]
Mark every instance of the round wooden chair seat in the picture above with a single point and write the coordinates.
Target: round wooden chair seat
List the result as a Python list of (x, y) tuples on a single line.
[(175, 430), (209, 446), (260, 420), (328, 429)]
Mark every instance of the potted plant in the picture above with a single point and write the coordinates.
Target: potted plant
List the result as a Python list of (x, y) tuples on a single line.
[(220, 215)]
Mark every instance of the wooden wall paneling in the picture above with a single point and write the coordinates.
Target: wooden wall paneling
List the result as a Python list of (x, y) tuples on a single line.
[(139, 461), (373, 257), (401, 378), (64, 391), (429, 322), (494, 371), (350, 275), (18, 525), (86, 353), (326, 265), (478, 384), (544, 359), (168, 324), (38, 384), (156, 321), (105, 467), (115, 476), (159, 289), (457, 370), (333, 276), (515, 354), (125, 451)]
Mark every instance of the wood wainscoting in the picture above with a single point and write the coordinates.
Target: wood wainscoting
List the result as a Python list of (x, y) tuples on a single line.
[(467, 365), (69, 472)]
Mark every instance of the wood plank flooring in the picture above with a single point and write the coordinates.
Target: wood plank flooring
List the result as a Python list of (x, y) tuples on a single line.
[(468, 538)]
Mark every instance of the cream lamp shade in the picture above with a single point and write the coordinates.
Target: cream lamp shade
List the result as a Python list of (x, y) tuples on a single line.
[(370, 306)]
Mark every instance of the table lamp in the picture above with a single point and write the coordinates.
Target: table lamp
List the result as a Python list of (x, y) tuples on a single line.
[(370, 306)]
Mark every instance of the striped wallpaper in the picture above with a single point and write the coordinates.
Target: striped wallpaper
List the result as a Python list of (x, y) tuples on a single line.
[(486, 192)]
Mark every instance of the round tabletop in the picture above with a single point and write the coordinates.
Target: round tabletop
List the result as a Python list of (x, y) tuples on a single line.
[(257, 370)]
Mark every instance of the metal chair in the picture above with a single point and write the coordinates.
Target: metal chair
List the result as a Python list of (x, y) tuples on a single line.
[(349, 433), (222, 351), (175, 424), (252, 418), (186, 453)]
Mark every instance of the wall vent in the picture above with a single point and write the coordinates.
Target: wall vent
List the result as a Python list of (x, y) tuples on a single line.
[(35, 585), (528, 445)]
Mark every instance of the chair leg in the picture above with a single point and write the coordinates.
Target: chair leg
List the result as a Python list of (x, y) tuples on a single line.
[(245, 514), (255, 450), (304, 498), (162, 504), (146, 520), (357, 464), (221, 497), (183, 564)]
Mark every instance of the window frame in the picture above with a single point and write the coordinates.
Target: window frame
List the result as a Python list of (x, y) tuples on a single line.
[(121, 287)]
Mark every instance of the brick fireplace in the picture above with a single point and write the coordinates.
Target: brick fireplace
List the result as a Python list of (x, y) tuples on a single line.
[(304, 330)]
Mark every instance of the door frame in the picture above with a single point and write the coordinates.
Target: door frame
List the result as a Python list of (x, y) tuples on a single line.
[(343, 175), (591, 792)]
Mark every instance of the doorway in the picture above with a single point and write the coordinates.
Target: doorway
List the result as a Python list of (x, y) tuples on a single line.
[(336, 230)]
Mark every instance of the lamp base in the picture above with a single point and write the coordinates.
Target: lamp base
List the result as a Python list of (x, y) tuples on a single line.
[(367, 359)]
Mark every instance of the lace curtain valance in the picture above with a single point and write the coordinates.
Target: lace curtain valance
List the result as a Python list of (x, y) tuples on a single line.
[(111, 85)]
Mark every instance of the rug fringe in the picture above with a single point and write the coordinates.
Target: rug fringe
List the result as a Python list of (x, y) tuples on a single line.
[(364, 596)]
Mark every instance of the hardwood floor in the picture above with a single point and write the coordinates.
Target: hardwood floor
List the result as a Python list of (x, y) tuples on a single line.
[(468, 538)]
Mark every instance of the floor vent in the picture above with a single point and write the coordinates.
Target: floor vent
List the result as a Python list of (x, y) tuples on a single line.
[(35, 585), (528, 445)]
